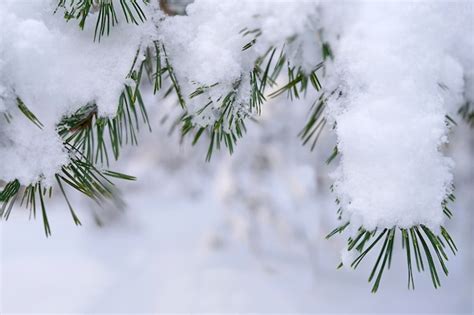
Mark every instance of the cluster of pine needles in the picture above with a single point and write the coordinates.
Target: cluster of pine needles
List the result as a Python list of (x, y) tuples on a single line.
[(419, 242)]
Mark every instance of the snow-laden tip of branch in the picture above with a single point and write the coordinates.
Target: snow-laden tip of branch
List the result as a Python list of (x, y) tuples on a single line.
[(391, 123)]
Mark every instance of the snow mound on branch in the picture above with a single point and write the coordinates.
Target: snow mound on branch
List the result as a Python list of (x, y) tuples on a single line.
[(392, 64), (55, 68), (205, 47)]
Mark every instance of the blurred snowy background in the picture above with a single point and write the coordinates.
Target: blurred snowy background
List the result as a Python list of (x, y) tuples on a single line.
[(244, 233)]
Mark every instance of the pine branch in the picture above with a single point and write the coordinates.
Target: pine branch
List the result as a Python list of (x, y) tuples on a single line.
[(89, 133), (228, 128), (84, 137), (79, 174), (231, 111)]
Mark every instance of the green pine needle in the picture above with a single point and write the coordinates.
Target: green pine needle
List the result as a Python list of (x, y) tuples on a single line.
[(28, 114), (105, 11)]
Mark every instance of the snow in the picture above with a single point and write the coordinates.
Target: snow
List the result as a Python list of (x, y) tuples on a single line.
[(391, 67), (26, 157), (55, 68)]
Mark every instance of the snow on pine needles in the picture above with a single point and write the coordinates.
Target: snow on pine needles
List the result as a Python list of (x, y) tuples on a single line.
[(390, 118)]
